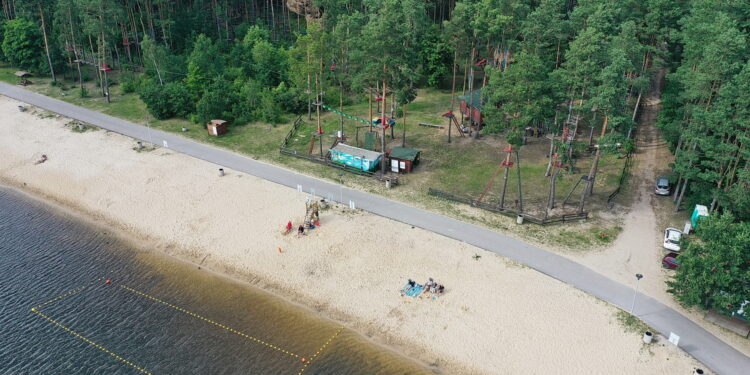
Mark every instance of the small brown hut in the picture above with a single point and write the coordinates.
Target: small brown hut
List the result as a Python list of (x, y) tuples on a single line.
[(403, 159), (217, 127)]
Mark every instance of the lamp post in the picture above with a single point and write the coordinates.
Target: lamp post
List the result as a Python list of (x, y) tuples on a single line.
[(341, 187), (148, 130), (638, 277)]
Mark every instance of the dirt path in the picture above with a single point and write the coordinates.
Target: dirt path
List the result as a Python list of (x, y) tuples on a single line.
[(638, 248)]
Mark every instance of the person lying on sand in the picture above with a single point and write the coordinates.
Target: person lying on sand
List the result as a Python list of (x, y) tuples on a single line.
[(42, 160)]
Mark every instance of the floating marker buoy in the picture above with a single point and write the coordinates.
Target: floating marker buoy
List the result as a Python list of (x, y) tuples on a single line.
[(304, 360), (108, 281)]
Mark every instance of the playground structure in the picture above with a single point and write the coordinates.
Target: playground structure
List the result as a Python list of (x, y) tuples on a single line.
[(312, 214), (371, 137), (471, 100)]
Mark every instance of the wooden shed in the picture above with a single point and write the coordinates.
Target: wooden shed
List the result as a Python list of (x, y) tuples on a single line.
[(217, 127), (403, 159), (471, 106)]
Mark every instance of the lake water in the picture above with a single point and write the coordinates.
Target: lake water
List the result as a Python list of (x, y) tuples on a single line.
[(157, 315)]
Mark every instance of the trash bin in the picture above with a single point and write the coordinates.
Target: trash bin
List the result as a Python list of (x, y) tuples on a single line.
[(647, 337), (519, 219), (387, 184)]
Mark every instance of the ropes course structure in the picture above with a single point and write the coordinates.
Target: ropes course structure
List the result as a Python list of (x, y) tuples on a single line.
[(376, 122)]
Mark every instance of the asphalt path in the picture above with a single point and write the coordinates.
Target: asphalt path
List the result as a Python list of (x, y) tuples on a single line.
[(705, 347)]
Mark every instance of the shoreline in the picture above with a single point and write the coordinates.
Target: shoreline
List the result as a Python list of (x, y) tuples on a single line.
[(140, 247), (494, 310)]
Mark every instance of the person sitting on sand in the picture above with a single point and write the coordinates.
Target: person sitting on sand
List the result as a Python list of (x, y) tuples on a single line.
[(429, 283), (440, 289), (288, 227), (301, 230)]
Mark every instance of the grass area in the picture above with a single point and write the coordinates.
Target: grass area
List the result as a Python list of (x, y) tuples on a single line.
[(632, 323), (466, 166), (463, 167), (584, 239)]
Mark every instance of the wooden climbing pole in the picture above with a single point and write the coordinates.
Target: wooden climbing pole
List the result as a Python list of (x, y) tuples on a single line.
[(506, 164), (312, 144), (556, 166)]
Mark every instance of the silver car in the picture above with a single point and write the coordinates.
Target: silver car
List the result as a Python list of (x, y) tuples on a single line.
[(662, 186)]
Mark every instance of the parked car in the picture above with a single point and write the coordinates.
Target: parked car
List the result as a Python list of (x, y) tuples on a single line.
[(662, 186), (672, 239), (670, 261)]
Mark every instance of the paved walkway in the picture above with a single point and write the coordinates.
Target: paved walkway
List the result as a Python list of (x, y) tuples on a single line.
[(714, 353)]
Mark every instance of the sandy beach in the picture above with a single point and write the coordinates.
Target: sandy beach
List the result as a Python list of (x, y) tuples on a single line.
[(496, 316)]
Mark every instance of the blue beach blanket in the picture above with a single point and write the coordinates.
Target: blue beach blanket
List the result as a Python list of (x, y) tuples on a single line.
[(414, 291)]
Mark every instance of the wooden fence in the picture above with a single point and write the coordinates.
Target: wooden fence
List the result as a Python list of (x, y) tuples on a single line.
[(295, 127), (506, 211)]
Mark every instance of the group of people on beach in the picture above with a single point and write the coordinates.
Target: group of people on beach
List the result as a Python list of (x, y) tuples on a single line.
[(300, 229), (434, 287), (430, 286)]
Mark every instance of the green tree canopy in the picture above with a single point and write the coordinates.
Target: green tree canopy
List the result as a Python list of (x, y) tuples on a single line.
[(518, 97), (23, 46), (714, 270)]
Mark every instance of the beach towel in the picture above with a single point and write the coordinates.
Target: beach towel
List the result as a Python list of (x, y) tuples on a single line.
[(414, 291)]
